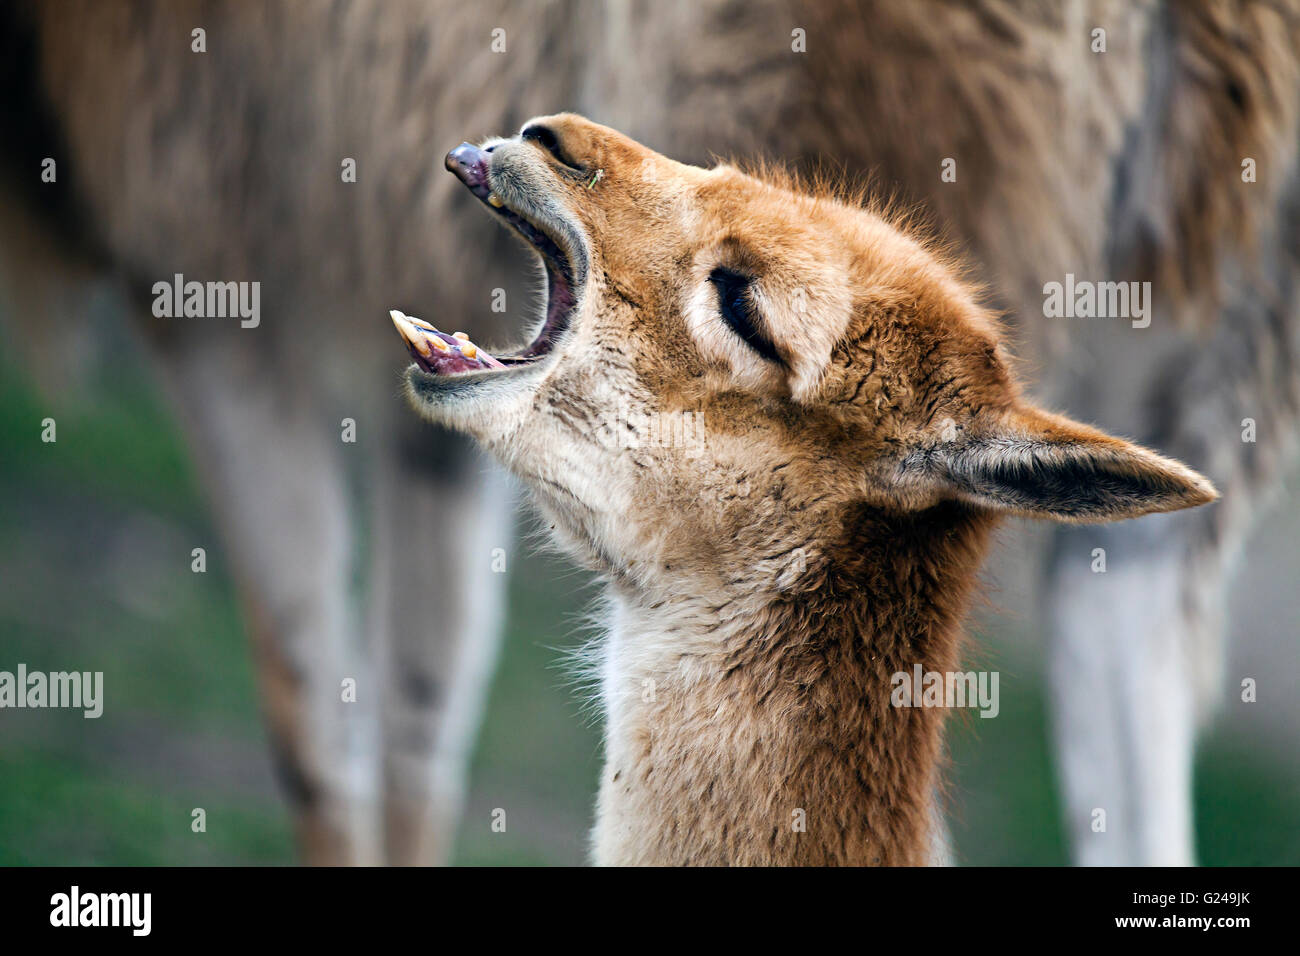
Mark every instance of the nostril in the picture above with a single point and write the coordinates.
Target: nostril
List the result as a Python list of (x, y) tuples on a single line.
[(543, 137)]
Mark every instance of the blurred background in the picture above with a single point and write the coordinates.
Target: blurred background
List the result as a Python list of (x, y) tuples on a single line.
[(224, 164), (95, 536)]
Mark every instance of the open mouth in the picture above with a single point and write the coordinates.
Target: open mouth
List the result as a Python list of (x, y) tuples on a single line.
[(438, 353)]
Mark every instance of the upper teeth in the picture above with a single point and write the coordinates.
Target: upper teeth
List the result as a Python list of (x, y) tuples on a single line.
[(495, 201)]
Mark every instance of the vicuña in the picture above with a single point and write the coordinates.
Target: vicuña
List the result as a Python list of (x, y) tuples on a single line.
[(860, 433)]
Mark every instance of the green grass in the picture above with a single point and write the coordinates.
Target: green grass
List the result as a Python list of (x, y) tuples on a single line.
[(124, 447), (1247, 812), (58, 809)]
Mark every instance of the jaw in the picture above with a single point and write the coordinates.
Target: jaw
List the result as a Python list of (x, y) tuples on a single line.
[(457, 384), (488, 406)]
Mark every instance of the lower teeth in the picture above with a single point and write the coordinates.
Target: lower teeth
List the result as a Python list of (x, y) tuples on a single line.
[(425, 339)]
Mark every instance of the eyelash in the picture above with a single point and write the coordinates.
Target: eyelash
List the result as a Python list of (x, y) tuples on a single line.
[(737, 311)]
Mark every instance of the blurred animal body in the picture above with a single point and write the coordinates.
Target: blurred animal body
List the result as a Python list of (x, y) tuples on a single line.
[(225, 166)]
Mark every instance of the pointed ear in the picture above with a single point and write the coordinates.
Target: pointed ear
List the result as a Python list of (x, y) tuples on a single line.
[(1047, 466)]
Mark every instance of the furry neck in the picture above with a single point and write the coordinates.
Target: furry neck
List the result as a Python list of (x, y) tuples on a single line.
[(769, 738)]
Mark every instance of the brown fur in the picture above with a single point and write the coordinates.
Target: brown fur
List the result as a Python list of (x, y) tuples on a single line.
[(796, 714), (875, 447)]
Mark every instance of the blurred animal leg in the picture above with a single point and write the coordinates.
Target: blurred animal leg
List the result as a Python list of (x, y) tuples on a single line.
[(269, 461), (1135, 654), (436, 611)]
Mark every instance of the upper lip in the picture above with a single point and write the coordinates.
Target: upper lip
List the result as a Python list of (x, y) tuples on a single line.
[(471, 165)]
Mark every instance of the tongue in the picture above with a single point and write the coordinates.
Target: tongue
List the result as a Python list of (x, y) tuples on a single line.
[(437, 352)]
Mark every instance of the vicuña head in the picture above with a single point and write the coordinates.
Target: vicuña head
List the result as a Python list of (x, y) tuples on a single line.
[(781, 428)]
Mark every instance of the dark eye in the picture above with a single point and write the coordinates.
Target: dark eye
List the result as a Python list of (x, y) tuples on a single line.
[(738, 311), (546, 138)]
